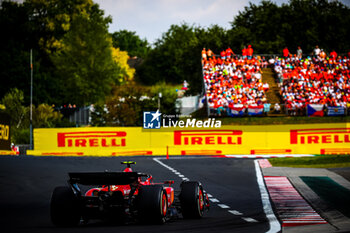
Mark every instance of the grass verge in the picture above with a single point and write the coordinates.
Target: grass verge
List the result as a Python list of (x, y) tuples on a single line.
[(339, 197), (322, 161)]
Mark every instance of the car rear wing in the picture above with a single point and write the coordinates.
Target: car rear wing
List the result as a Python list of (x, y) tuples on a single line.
[(104, 178)]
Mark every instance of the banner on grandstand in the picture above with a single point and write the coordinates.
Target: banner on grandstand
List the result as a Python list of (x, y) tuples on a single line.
[(315, 110), (335, 111), (255, 110), (237, 111), (5, 139)]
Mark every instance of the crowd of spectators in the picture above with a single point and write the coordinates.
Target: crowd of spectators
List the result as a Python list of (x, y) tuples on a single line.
[(233, 81), (315, 79)]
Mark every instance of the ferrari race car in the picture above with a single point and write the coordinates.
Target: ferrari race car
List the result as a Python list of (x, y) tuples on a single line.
[(126, 196)]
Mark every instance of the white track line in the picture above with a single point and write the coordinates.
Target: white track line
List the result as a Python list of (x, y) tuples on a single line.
[(235, 212), (214, 200), (275, 226), (249, 219), (223, 206), (211, 198)]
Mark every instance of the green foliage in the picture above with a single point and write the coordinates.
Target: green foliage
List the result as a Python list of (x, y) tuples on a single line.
[(126, 105), (14, 52), (85, 62), (306, 23), (52, 28), (21, 136), (130, 42), (64, 123), (99, 115), (44, 116), (323, 161), (169, 96), (126, 73), (176, 56), (53, 18), (128, 102), (13, 101)]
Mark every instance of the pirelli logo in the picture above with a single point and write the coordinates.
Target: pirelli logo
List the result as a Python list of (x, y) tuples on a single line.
[(92, 139), (320, 136), (208, 137)]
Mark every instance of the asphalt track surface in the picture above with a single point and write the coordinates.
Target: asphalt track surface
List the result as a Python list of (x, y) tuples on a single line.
[(27, 182)]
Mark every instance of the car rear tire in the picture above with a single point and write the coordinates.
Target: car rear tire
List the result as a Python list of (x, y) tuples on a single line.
[(192, 199), (64, 207), (152, 204)]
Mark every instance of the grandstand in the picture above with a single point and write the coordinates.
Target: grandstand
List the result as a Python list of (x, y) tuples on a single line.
[(240, 85), (234, 85), (323, 81)]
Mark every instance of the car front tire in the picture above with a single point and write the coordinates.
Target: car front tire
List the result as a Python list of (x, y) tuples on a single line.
[(192, 199)]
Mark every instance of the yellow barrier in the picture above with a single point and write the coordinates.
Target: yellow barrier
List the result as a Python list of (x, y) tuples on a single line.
[(8, 152), (124, 141)]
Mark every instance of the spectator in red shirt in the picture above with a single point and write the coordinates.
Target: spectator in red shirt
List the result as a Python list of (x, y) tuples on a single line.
[(333, 55), (285, 52), (223, 55), (244, 52), (229, 52), (250, 52)]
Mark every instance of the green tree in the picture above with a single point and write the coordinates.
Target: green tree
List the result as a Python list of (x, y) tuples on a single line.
[(53, 19), (126, 73), (306, 23), (321, 22), (98, 114), (167, 101), (167, 62), (259, 26), (127, 103), (177, 55), (13, 102), (85, 62), (44, 116), (130, 42), (14, 47), (41, 26), (215, 38)]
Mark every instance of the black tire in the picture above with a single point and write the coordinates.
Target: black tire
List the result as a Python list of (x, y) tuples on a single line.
[(192, 199), (64, 209), (152, 204)]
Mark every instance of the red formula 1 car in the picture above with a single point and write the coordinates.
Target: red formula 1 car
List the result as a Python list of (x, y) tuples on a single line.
[(125, 196)]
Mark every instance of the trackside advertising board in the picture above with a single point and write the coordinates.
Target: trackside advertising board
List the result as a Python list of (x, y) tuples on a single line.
[(223, 140), (5, 139)]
